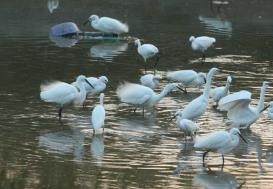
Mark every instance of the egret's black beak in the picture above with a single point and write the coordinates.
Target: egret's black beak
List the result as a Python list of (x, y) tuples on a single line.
[(89, 83), (242, 138), (181, 89), (85, 22)]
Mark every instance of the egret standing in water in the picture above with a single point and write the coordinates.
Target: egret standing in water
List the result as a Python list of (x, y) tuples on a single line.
[(239, 112), (98, 115), (197, 107), (187, 126), (187, 78), (150, 80), (107, 25), (147, 51), (219, 141), (139, 95), (63, 93), (201, 43), (219, 92)]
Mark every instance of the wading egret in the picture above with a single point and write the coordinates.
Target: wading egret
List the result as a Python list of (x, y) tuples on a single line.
[(147, 51), (107, 25), (201, 43), (219, 92), (188, 78), (139, 95), (63, 93), (197, 107), (150, 80), (98, 115), (270, 110), (239, 112), (219, 141), (187, 126)]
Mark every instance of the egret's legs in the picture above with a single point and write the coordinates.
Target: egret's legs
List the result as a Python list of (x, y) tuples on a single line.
[(60, 113), (204, 155)]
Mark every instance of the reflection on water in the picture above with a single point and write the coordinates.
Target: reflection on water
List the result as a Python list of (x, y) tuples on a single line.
[(97, 148), (63, 41), (108, 50), (216, 180), (52, 5)]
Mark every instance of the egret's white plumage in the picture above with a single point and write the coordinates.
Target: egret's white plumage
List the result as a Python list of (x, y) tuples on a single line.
[(140, 95), (239, 112), (219, 92), (201, 43), (219, 141), (146, 50), (63, 93), (99, 84), (150, 80), (270, 110), (98, 115), (187, 126), (197, 107), (188, 78), (108, 25)]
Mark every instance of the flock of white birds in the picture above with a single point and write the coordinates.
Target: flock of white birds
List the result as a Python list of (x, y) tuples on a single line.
[(240, 113)]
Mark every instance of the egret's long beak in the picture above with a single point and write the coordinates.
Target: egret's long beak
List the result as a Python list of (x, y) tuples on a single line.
[(89, 83), (242, 138), (265, 108), (181, 89), (85, 22)]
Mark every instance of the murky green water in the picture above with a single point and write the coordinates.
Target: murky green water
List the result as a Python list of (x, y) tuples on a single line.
[(36, 151)]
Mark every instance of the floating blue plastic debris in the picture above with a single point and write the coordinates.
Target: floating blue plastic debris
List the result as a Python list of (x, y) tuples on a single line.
[(65, 29)]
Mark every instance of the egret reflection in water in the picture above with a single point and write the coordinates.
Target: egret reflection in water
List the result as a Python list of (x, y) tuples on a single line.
[(97, 148), (52, 5), (216, 179), (108, 50)]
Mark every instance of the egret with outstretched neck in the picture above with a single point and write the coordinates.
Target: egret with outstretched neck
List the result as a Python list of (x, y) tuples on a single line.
[(150, 80), (197, 107), (219, 92), (63, 93)]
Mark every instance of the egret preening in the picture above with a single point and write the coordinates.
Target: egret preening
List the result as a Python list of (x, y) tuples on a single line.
[(63, 93), (270, 110), (139, 95), (187, 78), (98, 115), (197, 107), (150, 80), (147, 51), (187, 126), (201, 43), (107, 25), (239, 112), (219, 141), (219, 92)]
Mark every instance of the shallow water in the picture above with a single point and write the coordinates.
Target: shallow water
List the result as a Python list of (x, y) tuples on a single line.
[(37, 151)]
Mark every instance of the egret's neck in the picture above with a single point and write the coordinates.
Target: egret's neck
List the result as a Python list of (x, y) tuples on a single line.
[(101, 100), (208, 85), (227, 86), (82, 92), (138, 43), (158, 97), (260, 104)]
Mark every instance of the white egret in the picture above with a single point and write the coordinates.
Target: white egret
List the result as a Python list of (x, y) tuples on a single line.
[(239, 112), (219, 141), (201, 43), (219, 92), (187, 126), (63, 93), (147, 51), (139, 95), (98, 115), (270, 110), (197, 107), (107, 25), (188, 78), (150, 80)]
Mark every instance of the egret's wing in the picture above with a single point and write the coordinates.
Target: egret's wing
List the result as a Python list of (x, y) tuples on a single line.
[(213, 141), (241, 98), (98, 116), (205, 41), (50, 85), (182, 75), (194, 109), (107, 23), (133, 93)]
